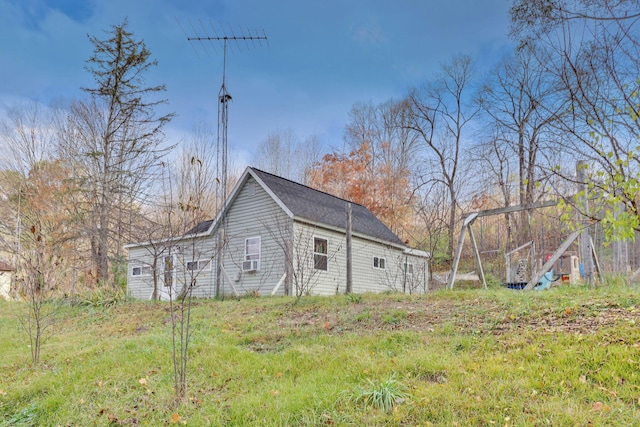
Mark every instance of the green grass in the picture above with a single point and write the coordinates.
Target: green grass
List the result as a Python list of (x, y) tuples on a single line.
[(564, 357)]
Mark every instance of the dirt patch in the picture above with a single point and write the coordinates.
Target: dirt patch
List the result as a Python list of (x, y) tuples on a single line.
[(460, 316)]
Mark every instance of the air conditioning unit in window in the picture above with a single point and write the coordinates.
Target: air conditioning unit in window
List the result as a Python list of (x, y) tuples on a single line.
[(251, 265)]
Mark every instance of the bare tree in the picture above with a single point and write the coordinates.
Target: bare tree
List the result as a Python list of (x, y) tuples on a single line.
[(37, 221), (440, 114), (592, 47), (195, 177), (283, 154), (114, 140), (519, 104)]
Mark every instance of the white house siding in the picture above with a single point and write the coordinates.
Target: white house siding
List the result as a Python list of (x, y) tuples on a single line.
[(369, 278), (318, 282), (201, 249), (375, 277), (366, 277), (255, 214)]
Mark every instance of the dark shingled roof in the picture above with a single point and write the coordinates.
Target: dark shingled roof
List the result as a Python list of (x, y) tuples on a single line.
[(319, 207), (200, 228)]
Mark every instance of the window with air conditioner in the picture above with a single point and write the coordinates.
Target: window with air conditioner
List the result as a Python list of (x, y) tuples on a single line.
[(251, 254)]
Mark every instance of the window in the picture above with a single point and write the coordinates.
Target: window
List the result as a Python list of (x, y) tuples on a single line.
[(379, 262), (141, 271), (251, 254), (320, 258), (168, 270), (199, 265), (408, 268), (252, 249)]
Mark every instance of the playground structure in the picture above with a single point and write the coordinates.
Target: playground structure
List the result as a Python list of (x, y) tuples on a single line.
[(532, 272), (523, 261)]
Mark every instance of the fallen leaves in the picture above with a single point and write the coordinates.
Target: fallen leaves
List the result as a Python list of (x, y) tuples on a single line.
[(599, 406)]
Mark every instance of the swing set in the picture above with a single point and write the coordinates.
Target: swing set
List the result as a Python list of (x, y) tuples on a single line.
[(526, 273)]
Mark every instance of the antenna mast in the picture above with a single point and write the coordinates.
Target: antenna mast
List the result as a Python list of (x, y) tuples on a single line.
[(223, 104), (221, 143)]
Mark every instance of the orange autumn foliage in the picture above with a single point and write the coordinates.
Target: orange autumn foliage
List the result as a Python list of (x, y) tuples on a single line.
[(378, 185)]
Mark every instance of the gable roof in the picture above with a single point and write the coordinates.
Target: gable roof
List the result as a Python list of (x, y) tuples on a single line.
[(304, 204), (308, 204)]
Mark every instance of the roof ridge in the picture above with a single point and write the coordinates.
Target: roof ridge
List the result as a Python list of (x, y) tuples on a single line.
[(306, 186)]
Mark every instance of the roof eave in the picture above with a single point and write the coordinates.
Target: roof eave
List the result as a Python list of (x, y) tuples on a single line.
[(344, 231)]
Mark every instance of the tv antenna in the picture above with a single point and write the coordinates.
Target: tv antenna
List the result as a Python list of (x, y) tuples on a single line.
[(250, 38), (228, 39)]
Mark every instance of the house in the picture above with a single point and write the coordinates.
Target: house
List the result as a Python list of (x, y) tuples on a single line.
[(278, 237)]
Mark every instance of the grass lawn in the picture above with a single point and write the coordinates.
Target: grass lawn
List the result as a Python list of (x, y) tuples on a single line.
[(569, 356)]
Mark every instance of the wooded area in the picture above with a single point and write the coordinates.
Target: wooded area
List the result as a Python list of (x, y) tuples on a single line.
[(82, 179)]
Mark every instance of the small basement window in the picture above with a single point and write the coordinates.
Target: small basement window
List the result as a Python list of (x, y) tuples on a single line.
[(379, 263)]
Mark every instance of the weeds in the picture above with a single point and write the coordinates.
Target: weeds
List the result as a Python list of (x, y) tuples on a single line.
[(383, 395), (472, 357), (394, 317), (104, 297), (354, 298)]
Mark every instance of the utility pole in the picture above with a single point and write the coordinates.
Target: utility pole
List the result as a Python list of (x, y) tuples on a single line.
[(224, 97), (586, 248), (349, 249)]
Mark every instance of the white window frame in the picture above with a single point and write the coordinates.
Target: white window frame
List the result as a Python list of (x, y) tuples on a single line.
[(249, 256), (325, 255), (200, 265), (170, 273), (144, 270), (379, 263), (409, 268)]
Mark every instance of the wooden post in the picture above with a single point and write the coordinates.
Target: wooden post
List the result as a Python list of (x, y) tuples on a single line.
[(288, 265), (219, 279), (555, 257), (476, 253), (585, 241), (456, 260), (349, 248)]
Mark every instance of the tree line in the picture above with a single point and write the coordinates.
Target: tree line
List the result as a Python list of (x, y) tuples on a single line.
[(567, 94), (81, 179)]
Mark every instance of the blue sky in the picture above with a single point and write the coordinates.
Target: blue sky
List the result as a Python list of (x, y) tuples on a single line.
[(322, 56)]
